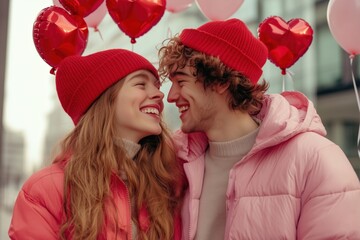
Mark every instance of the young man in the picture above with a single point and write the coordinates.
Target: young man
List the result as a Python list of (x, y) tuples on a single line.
[(263, 169)]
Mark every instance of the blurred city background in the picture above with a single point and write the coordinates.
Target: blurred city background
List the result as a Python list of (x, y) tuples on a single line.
[(33, 120)]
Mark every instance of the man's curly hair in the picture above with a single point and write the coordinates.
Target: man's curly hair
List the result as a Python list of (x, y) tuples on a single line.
[(243, 94)]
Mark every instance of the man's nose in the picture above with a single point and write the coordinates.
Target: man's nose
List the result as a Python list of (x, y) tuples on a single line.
[(173, 94)]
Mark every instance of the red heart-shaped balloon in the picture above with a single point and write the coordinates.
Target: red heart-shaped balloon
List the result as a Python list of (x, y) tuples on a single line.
[(81, 7), (286, 41), (136, 17), (57, 35)]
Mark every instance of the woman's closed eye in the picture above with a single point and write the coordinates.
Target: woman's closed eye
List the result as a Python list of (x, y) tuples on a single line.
[(141, 84)]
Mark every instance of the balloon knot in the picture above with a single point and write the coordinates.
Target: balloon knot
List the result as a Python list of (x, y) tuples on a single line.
[(53, 70), (133, 41), (283, 71)]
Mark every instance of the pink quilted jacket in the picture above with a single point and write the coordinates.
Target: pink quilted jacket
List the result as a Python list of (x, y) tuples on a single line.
[(293, 184)]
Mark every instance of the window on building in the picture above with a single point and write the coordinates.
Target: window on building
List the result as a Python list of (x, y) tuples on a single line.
[(350, 138), (329, 59), (329, 54)]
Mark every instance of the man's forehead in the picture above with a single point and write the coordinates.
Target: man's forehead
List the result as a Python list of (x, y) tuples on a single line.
[(178, 72), (185, 71)]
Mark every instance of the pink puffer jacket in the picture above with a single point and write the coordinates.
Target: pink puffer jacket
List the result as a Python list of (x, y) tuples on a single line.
[(38, 211), (293, 184)]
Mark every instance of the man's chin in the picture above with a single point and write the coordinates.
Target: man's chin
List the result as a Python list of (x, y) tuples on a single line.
[(186, 129)]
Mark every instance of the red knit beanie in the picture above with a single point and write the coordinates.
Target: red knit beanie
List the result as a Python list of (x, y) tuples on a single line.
[(232, 42), (80, 80)]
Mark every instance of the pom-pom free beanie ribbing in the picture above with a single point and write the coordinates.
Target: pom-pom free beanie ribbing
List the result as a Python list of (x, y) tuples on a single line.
[(80, 80), (232, 42)]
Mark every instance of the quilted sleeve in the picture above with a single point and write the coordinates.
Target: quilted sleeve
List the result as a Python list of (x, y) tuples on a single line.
[(37, 211), (330, 203)]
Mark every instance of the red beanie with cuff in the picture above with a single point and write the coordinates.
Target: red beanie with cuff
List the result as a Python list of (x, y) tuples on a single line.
[(80, 80), (232, 42)]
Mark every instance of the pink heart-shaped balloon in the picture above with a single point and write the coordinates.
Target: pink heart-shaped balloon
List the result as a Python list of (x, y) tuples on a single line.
[(136, 17), (286, 41), (175, 6), (216, 10)]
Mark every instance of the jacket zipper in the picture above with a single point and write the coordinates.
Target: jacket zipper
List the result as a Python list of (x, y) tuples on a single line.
[(129, 207), (130, 211), (189, 221)]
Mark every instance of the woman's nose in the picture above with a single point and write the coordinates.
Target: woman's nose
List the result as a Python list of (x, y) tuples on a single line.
[(157, 94)]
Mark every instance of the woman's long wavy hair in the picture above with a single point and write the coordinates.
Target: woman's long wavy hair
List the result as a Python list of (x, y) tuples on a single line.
[(243, 94), (90, 158)]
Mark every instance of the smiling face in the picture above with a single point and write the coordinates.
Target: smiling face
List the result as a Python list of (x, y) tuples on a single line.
[(197, 106), (139, 104)]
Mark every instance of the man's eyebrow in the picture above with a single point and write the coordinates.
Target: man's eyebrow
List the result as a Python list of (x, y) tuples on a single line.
[(179, 73)]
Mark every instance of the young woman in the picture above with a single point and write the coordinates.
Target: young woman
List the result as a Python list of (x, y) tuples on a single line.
[(116, 176)]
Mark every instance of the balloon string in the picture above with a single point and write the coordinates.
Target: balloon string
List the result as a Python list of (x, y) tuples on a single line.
[(290, 75), (358, 142), (283, 73), (283, 83), (354, 82), (169, 33), (357, 99), (96, 29)]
